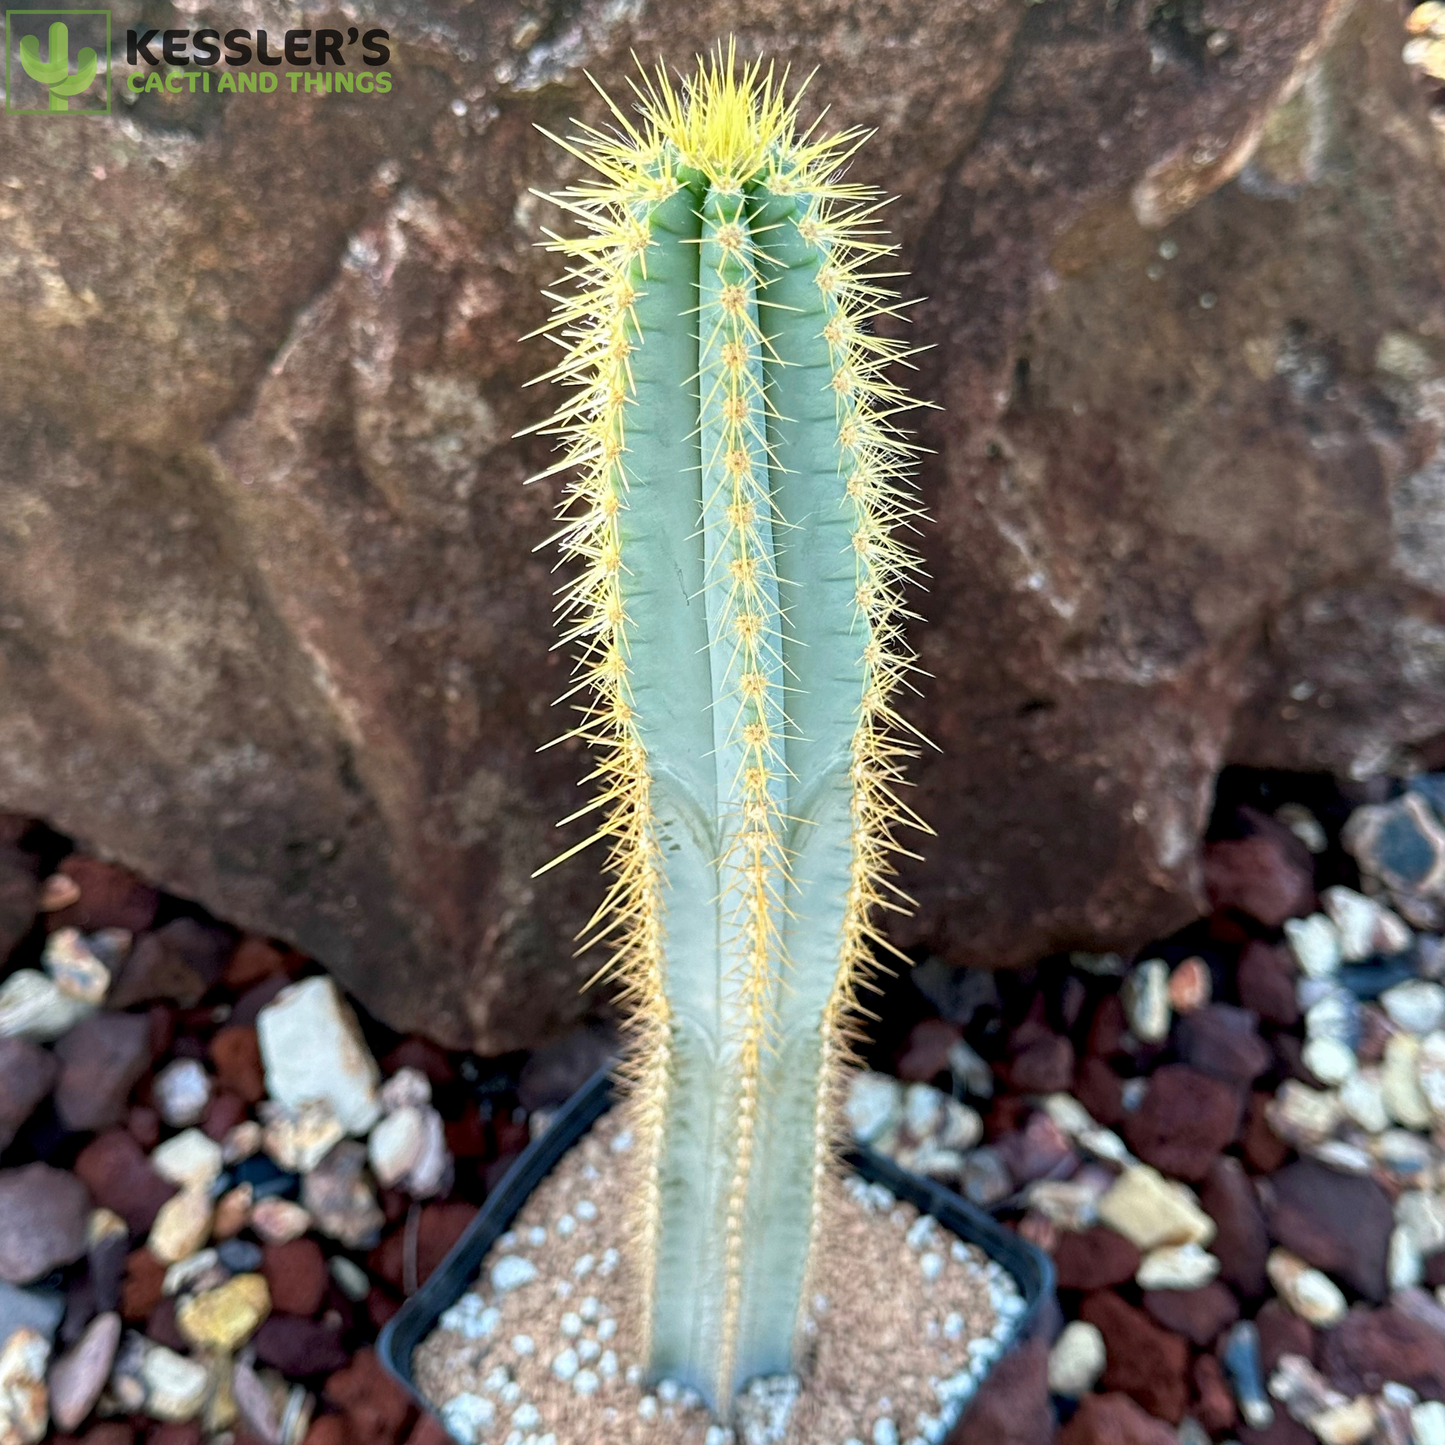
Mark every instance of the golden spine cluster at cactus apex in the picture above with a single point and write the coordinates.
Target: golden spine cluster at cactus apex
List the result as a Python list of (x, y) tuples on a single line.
[(736, 494)]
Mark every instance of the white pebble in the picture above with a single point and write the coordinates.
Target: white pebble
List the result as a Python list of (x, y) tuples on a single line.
[(585, 1382), (647, 1407), (498, 1379), (584, 1266), (606, 1328), (607, 1365), (610, 1260), (586, 1210), (536, 1236), (931, 1264), (716, 1435), (885, 1432), (669, 1392), (471, 1317), (566, 1225), (565, 1365), (512, 1272), (466, 1416), (563, 1289), (571, 1325), (526, 1416), (952, 1325), (1427, 1423), (591, 1308), (588, 1350), (523, 1345), (633, 1375), (622, 1142)]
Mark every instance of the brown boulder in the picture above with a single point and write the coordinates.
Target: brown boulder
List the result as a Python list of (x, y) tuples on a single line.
[(1183, 505)]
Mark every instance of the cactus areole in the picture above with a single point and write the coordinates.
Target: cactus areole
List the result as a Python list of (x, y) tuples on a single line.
[(737, 486)]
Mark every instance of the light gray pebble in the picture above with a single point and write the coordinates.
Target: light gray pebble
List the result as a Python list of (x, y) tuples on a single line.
[(610, 1260), (584, 1266), (591, 1308), (633, 1375), (526, 1416), (466, 1416), (512, 1272), (566, 1226), (565, 1365), (622, 1142), (606, 1328), (585, 1382), (523, 1345), (586, 1210), (885, 1432), (647, 1407), (571, 1324), (931, 1264), (588, 1350), (537, 1236), (607, 1365), (669, 1392), (952, 1325)]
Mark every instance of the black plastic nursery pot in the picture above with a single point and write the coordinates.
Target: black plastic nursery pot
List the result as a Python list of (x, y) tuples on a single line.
[(1031, 1269)]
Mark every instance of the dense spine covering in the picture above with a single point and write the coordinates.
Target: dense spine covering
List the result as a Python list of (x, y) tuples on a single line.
[(737, 489)]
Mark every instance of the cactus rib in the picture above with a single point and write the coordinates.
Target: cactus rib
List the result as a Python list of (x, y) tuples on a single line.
[(738, 490)]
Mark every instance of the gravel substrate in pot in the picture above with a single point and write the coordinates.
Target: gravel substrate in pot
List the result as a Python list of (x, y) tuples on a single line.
[(524, 1335)]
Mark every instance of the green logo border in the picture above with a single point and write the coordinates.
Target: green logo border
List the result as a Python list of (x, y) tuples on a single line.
[(10, 109)]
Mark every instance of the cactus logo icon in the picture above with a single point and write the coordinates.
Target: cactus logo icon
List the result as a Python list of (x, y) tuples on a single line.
[(57, 62)]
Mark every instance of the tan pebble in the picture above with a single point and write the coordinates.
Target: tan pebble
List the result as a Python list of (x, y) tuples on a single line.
[(278, 1221), (233, 1212), (226, 1317), (181, 1227), (57, 892)]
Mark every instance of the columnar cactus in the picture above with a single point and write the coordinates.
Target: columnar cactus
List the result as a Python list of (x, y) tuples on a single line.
[(738, 486)]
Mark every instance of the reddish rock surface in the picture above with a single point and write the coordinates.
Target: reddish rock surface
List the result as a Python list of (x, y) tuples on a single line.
[(1096, 1258), (1012, 1406), (27, 1073), (1114, 1420), (1241, 1241), (1186, 1120), (101, 1060), (1145, 1362), (375, 1406), (1339, 1223), (110, 897), (296, 1274), (1224, 1042), (236, 1058), (440, 1227), (1197, 1314), (1214, 1405), (1282, 1332), (120, 1177), (926, 1053), (1268, 875), (1369, 1347), (1045, 1066), (1266, 981)]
